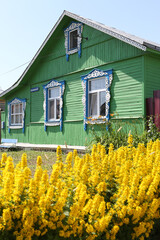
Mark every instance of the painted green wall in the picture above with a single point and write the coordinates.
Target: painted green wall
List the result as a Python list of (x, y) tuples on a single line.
[(152, 74), (100, 51)]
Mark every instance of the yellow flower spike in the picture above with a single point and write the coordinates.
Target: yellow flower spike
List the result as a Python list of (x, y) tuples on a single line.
[(59, 154), (69, 160), (102, 208), (75, 153), (3, 159), (7, 220), (9, 166), (24, 160), (98, 148), (130, 140), (39, 161)]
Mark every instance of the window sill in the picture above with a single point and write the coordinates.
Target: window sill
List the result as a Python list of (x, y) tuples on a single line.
[(53, 123), (15, 127), (96, 120)]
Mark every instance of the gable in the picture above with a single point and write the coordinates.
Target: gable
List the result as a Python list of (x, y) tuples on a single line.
[(55, 40)]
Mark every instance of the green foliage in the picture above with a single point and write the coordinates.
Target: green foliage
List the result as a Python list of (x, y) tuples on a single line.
[(117, 133)]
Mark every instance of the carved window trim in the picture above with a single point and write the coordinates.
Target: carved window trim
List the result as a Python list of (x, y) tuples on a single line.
[(72, 27), (56, 122), (96, 73), (10, 104)]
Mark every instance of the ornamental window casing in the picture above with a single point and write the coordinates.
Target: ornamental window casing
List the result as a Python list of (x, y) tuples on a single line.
[(73, 38), (53, 103), (96, 96), (16, 114)]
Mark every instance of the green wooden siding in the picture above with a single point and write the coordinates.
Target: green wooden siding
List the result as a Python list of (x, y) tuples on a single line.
[(100, 51), (152, 75), (73, 108), (126, 89), (95, 53), (37, 99)]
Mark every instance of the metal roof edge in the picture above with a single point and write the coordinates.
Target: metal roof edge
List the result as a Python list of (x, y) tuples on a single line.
[(103, 28)]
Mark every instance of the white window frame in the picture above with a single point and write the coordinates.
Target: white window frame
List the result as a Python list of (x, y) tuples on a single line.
[(72, 27), (93, 75), (14, 114), (53, 121), (55, 105), (76, 29), (98, 104), (14, 125)]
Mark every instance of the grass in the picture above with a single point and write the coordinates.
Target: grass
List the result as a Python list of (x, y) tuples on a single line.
[(48, 159)]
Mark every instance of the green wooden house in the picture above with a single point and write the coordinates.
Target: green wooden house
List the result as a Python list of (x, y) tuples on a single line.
[(83, 72)]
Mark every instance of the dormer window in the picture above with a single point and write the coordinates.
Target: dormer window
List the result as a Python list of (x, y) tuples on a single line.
[(73, 37)]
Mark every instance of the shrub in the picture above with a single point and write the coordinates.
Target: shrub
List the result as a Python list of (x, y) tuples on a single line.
[(99, 196), (117, 133)]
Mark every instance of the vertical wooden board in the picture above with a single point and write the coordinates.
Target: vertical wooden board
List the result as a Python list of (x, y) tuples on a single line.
[(126, 88), (75, 134), (149, 107), (73, 107), (72, 134), (37, 99), (99, 49), (152, 69), (156, 96)]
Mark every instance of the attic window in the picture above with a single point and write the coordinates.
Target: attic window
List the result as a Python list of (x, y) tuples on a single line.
[(73, 37)]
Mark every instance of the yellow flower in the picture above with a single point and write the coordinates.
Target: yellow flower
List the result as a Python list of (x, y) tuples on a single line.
[(39, 161)]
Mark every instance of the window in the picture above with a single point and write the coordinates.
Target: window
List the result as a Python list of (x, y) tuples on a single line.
[(16, 111), (96, 98), (53, 103), (73, 37), (16, 114)]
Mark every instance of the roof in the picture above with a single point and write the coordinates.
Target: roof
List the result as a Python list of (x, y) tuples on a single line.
[(1, 90), (125, 37)]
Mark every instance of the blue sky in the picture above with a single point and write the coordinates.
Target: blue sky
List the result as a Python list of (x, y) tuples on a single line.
[(24, 25)]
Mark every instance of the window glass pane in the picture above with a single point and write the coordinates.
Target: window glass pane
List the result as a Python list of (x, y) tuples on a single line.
[(12, 119), (102, 103), (97, 84), (92, 104), (16, 114), (16, 119), (12, 109), (20, 118), (51, 109), (57, 109), (20, 108), (16, 108), (54, 92), (73, 39)]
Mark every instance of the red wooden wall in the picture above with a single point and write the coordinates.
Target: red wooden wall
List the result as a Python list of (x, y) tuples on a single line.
[(153, 107)]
